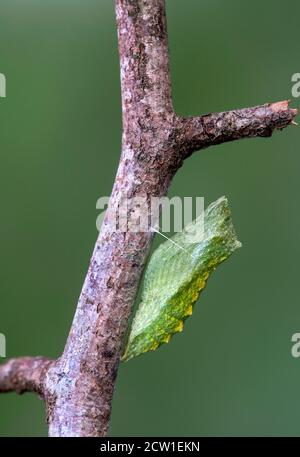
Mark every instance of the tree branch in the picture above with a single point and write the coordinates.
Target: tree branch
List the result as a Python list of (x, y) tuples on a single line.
[(81, 384), (197, 133), (25, 374)]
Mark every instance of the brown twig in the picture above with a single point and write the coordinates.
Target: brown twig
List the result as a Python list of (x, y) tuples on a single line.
[(26, 374)]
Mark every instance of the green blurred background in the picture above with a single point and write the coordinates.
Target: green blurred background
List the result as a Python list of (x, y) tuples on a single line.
[(231, 371)]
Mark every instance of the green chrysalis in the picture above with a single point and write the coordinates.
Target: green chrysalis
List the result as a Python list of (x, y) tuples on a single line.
[(176, 274)]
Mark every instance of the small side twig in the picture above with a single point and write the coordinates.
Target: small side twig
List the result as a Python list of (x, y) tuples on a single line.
[(25, 374), (197, 133)]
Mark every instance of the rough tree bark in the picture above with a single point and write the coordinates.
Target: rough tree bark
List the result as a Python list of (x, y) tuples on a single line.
[(78, 387)]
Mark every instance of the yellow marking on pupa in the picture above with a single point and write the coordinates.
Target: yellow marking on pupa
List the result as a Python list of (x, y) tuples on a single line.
[(189, 311), (153, 346), (179, 327), (166, 339)]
